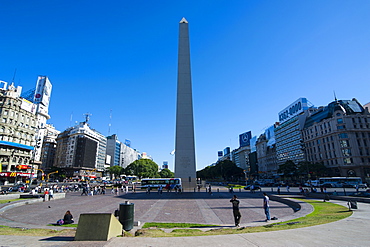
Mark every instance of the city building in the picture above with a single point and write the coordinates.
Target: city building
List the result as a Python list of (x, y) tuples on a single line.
[(338, 135), (18, 128), (121, 153), (266, 154), (288, 132), (81, 152), (49, 146)]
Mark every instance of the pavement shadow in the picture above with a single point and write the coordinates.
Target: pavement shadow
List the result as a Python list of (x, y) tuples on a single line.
[(59, 238)]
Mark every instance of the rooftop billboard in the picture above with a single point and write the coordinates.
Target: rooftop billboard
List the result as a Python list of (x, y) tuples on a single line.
[(293, 109)]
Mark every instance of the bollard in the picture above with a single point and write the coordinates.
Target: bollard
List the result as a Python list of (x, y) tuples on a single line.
[(126, 215)]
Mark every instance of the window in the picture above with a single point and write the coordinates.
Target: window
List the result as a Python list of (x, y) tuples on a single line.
[(340, 120), (346, 152), (343, 135), (347, 160), (344, 143), (341, 127)]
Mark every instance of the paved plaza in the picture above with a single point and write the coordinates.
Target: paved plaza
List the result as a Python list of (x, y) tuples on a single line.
[(199, 207)]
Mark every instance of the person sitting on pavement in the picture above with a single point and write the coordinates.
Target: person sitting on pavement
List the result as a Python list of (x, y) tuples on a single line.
[(68, 218)]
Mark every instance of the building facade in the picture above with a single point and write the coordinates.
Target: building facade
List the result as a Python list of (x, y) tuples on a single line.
[(266, 154), (288, 132), (17, 135), (81, 152), (338, 135), (120, 153), (49, 146)]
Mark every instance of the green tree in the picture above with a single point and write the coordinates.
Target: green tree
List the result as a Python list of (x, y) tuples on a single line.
[(116, 171), (226, 170), (143, 168), (289, 169), (166, 173)]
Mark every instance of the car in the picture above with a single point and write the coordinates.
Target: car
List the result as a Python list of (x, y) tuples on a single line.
[(256, 187)]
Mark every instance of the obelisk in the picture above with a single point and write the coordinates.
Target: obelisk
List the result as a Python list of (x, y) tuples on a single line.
[(185, 167)]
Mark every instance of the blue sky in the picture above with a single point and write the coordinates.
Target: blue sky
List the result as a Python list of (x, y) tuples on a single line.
[(250, 59)]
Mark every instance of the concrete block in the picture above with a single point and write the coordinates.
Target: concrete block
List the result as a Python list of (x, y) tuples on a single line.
[(97, 227)]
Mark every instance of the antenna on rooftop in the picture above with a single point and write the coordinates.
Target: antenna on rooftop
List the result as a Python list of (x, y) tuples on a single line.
[(87, 117), (110, 121), (335, 96), (15, 72), (70, 119)]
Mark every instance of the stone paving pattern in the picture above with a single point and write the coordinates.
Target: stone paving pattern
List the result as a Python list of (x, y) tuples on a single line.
[(198, 207)]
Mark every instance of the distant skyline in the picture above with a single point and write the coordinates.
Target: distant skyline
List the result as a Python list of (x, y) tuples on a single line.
[(249, 60)]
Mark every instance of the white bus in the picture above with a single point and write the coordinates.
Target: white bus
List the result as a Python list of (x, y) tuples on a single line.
[(335, 182), (164, 182)]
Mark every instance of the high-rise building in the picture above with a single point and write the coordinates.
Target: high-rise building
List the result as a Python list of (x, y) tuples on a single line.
[(338, 135), (81, 151), (120, 153), (288, 133), (185, 166), (49, 146)]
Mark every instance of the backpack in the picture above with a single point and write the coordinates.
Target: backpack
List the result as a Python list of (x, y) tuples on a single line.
[(60, 222)]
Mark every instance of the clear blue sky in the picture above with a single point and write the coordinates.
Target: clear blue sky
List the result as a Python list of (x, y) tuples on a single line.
[(250, 59)]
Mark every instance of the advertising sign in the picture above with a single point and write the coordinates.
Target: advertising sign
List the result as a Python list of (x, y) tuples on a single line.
[(245, 138), (43, 91), (220, 154), (28, 106), (293, 109)]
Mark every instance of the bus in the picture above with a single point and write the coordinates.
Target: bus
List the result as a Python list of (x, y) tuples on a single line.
[(164, 182), (335, 182)]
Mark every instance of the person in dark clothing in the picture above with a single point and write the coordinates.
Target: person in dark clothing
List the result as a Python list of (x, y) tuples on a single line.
[(236, 211), (68, 218)]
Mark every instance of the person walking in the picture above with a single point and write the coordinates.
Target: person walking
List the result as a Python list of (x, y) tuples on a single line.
[(236, 211), (266, 206)]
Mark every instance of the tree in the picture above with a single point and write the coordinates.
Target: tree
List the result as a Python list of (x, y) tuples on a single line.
[(289, 169), (143, 168), (226, 169), (115, 170), (166, 173)]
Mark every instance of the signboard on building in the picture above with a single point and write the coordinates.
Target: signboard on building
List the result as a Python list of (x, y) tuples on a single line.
[(226, 151), (165, 165), (28, 106), (43, 91), (293, 109), (220, 154), (245, 138)]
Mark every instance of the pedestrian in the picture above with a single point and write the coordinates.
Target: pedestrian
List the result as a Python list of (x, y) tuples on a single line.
[(266, 206), (160, 189), (148, 190), (84, 191), (278, 189), (357, 188), (46, 195), (51, 194), (210, 189), (236, 211)]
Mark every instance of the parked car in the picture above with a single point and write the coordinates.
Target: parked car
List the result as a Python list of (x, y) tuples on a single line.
[(256, 187)]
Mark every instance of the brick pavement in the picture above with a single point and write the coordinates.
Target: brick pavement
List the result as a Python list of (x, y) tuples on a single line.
[(198, 207)]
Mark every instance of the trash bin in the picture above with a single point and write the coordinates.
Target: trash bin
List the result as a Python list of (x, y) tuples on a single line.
[(126, 215)]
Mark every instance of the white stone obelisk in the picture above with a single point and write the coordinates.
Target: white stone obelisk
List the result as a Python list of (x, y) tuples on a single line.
[(185, 165)]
